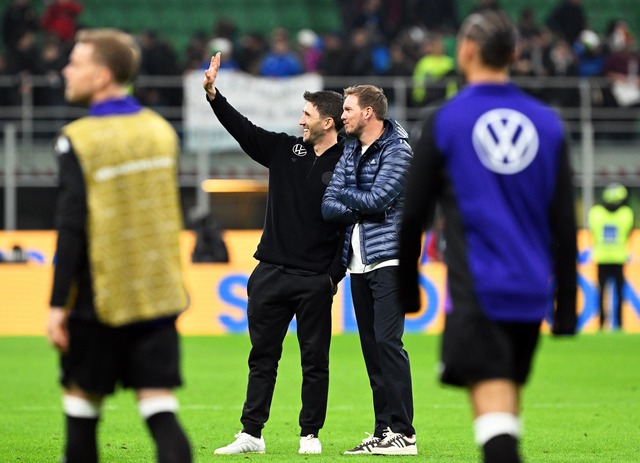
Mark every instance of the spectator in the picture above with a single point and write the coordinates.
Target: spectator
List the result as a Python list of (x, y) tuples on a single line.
[(349, 9), (400, 64), (309, 49), (158, 59), (560, 61), (590, 53), (434, 73), (358, 58), (530, 61), (383, 19), (224, 46), (372, 18), (334, 57), (253, 47), (23, 58), (621, 69), (194, 51), (19, 17), (60, 19), (280, 61), (611, 224), (226, 28), (527, 26), (567, 20), (622, 65), (496, 162), (437, 15), (158, 56), (51, 61)]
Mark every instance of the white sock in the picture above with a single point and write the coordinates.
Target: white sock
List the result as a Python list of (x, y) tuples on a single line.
[(493, 424), (151, 406), (78, 407)]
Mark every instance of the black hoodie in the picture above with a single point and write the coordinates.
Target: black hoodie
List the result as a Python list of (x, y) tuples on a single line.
[(295, 236)]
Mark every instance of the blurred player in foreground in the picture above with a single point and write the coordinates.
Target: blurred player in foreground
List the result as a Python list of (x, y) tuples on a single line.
[(496, 161), (118, 285)]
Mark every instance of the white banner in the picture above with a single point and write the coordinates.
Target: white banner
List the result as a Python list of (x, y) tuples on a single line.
[(274, 104)]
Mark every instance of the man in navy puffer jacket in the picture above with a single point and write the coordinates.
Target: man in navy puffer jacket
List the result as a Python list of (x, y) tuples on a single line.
[(366, 192)]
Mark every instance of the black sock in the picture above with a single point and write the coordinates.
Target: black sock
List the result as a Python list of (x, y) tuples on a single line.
[(254, 432), (172, 444), (501, 449), (81, 445)]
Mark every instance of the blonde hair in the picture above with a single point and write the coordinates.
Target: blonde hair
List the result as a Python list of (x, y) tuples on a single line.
[(370, 95), (115, 49)]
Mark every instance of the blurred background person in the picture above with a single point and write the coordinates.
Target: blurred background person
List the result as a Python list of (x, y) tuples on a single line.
[(280, 60), (434, 73), (60, 19), (622, 64), (18, 17), (309, 48), (567, 19), (611, 224)]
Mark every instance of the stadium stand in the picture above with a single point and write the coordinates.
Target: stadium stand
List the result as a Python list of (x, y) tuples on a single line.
[(178, 19), (599, 12)]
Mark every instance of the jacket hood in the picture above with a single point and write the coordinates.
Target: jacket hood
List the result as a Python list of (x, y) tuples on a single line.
[(393, 130)]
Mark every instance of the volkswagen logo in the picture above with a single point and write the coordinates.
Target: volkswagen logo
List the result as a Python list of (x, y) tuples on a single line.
[(505, 140), (299, 150)]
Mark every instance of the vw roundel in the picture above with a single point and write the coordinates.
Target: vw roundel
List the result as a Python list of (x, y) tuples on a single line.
[(505, 140), (299, 150)]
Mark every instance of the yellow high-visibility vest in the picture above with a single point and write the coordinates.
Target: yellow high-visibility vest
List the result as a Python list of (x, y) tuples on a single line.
[(610, 232)]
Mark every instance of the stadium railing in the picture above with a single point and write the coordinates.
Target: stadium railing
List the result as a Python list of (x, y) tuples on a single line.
[(604, 139)]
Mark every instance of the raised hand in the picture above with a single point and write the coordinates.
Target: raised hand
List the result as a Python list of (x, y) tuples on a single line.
[(209, 82)]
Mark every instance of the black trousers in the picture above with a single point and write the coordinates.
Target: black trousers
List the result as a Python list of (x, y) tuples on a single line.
[(606, 273), (275, 296), (380, 319)]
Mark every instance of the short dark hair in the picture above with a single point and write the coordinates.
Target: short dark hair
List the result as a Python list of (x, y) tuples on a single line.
[(496, 36), (115, 49), (370, 95), (328, 103)]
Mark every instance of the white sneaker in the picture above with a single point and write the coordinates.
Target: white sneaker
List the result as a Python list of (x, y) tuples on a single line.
[(310, 444), (244, 443)]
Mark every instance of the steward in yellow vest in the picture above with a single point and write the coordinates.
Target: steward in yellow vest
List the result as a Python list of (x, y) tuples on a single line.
[(611, 224)]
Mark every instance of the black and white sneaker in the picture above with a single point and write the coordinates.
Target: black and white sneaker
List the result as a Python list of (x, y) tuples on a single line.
[(365, 447), (395, 443)]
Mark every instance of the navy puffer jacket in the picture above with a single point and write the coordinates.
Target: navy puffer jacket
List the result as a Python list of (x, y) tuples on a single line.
[(369, 189)]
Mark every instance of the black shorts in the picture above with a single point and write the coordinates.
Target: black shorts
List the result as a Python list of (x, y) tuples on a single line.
[(475, 348), (140, 356)]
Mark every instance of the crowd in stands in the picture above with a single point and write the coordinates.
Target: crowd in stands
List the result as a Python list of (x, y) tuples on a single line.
[(411, 38)]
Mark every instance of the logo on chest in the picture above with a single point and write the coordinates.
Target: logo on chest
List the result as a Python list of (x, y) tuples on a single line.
[(299, 150), (505, 140)]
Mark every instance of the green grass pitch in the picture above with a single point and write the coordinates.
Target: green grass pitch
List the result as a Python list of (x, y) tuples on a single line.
[(582, 404)]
